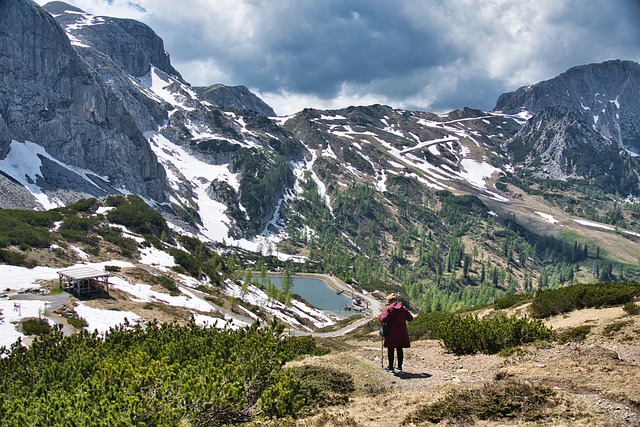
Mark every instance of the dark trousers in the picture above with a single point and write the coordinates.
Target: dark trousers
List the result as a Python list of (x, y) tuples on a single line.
[(400, 356)]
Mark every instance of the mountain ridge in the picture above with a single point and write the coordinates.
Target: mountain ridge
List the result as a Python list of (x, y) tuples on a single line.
[(610, 84), (348, 186)]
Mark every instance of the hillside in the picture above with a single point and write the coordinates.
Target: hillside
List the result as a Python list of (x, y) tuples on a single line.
[(456, 208), (593, 379), (588, 376)]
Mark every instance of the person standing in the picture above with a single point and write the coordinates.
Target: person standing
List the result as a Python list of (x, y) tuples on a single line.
[(396, 316)]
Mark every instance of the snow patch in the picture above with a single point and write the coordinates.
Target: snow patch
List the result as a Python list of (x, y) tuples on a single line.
[(477, 172), (548, 217), (24, 162), (594, 224), (103, 320)]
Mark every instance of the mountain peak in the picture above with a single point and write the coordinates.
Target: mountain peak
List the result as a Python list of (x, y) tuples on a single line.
[(131, 44), (237, 97), (59, 7)]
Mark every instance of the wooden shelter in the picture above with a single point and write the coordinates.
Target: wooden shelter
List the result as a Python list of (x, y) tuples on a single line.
[(83, 280)]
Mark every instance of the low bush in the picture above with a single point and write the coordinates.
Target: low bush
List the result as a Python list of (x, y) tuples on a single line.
[(12, 257), (138, 217), (427, 325), (550, 302), (84, 205), (35, 326), (75, 320), (616, 327), (631, 308), (168, 283), (470, 335), (512, 301), (324, 386), (576, 334), (162, 374), (499, 401), (127, 246), (186, 262)]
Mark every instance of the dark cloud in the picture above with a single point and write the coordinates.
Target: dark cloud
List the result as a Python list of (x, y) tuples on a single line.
[(421, 54)]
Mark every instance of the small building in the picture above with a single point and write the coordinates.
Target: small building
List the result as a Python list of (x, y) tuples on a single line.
[(83, 281)]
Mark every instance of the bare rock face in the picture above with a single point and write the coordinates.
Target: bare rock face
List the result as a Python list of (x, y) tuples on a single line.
[(558, 143), (50, 96), (237, 97), (132, 45), (606, 95)]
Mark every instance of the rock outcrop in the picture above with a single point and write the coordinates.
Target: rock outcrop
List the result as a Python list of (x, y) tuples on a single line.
[(606, 95), (237, 97)]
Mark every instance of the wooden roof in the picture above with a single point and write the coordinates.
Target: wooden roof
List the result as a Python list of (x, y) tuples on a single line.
[(79, 273)]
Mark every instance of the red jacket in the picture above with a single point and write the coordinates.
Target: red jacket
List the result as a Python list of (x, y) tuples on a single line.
[(396, 315)]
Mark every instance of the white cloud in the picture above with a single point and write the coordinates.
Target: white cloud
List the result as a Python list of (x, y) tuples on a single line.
[(428, 54)]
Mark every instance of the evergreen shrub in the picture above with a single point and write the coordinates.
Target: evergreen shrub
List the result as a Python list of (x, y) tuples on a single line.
[(324, 386), (138, 217), (631, 308), (498, 401), (161, 375), (12, 257), (510, 301), (427, 325), (35, 326), (549, 302), (470, 335)]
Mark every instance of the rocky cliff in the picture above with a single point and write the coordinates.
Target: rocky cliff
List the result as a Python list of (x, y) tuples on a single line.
[(238, 97), (132, 45), (49, 95), (559, 143), (607, 95)]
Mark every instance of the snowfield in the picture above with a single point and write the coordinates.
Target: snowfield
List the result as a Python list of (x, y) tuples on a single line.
[(16, 305)]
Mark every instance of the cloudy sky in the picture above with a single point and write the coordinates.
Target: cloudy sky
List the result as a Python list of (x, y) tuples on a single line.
[(433, 55)]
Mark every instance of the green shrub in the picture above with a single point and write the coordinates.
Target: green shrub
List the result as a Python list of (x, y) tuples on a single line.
[(75, 320), (139, 217), (470, 335), (31, 237), (127, 246), (296, 346), (80, 229), (427, 325), (12, 257), (115, 200), (187, 262), (615, 327), (493, 402), (324, 386), (35, 326), (85, 205), (550, 302), (168, 283), (631, 308), (510, 301), (157, 375), (576, 334)]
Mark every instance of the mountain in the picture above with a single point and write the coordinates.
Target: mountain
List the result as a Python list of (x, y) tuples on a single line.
[(237, 97), (469, 203), (88, 142), (607, 95)]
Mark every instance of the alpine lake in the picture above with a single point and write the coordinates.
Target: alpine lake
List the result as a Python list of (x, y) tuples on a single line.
[(318, 293)]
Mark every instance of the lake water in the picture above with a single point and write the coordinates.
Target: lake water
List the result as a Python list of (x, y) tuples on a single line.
[(318, 293)]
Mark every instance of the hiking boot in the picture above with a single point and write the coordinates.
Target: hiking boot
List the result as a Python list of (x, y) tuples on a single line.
[(388, 369)]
